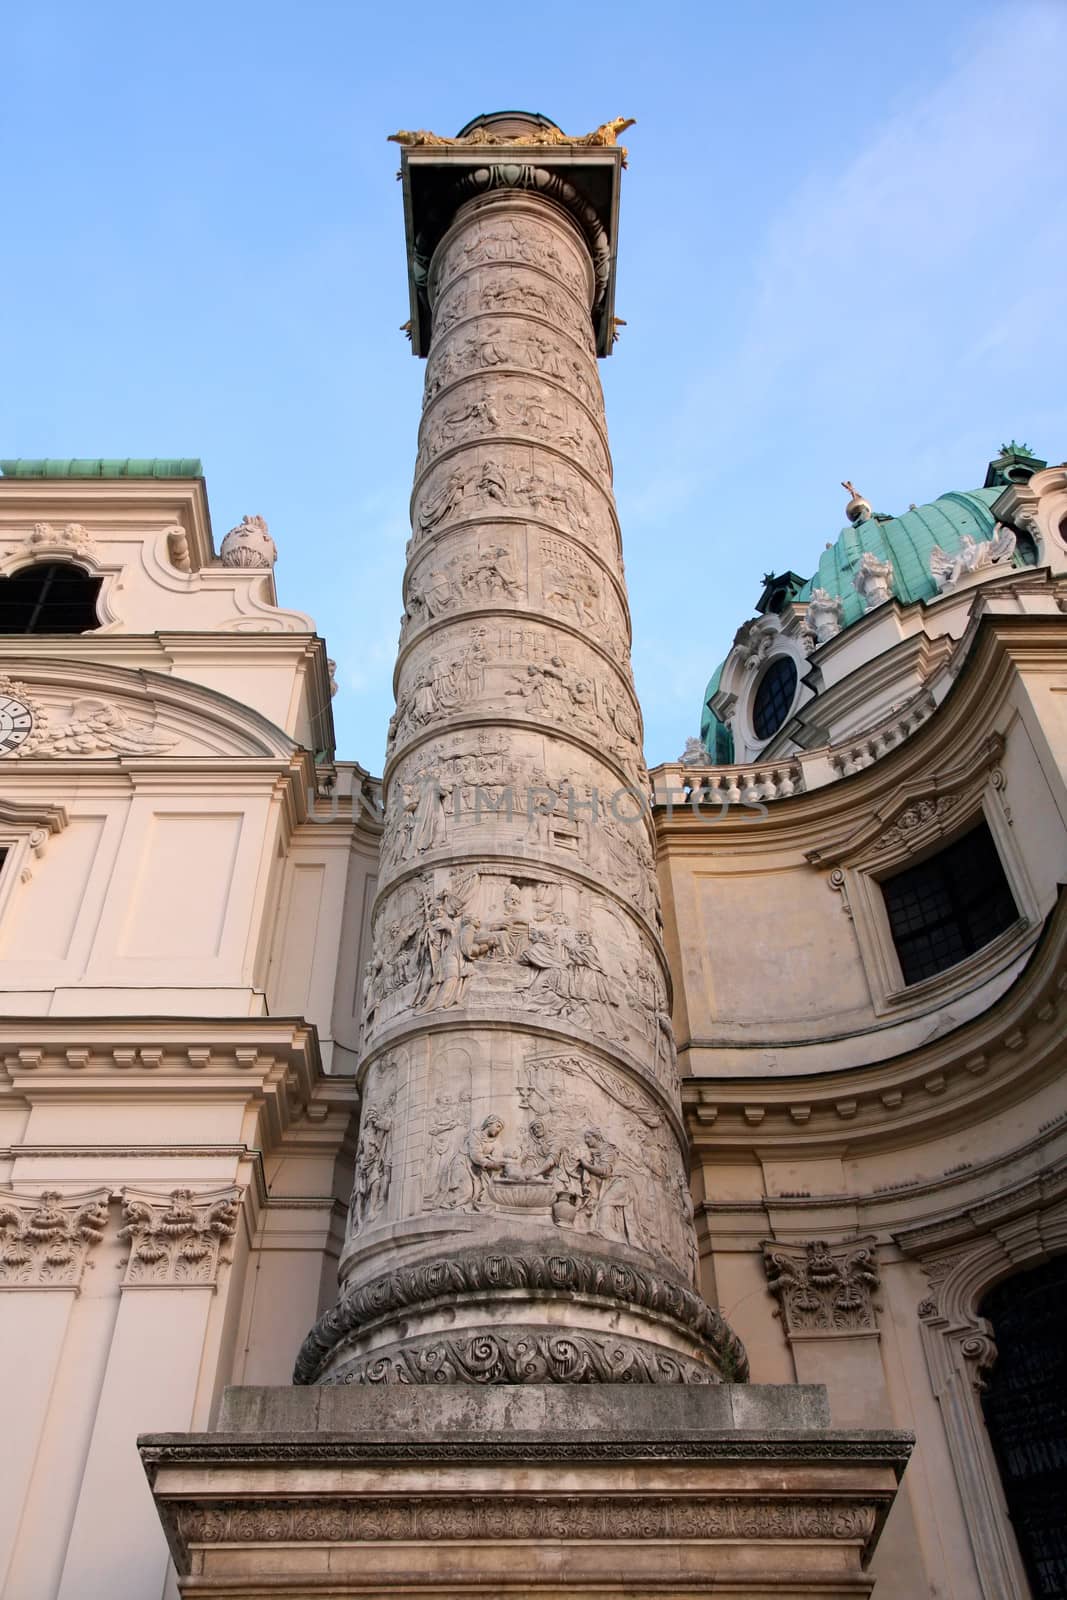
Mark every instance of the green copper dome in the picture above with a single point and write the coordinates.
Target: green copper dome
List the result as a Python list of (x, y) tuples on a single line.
[(908, 542)]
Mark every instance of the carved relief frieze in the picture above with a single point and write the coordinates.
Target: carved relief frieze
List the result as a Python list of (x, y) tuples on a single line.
[(573, 588), (513, 408), (525, 1355), (526, 671), (528, 1517), (487, 483), (577, 1144), (486, 346), (520, 292), (374, 1152), (487, 570), (494, 937), (489, 790), (534, 244), (45, 1242), (824, 1288), (176, 1240)]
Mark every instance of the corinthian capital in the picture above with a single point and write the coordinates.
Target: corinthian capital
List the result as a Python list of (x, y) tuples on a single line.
[(176, 1240), (824, 1288), (44, 1242)]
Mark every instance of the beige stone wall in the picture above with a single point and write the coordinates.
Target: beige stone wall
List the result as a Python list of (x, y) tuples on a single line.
[(916, 1140), (174, 1163)]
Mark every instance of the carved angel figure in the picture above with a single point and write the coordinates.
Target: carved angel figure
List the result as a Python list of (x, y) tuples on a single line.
[(96, 728), (823, 617), (874, 580), (972, 556)]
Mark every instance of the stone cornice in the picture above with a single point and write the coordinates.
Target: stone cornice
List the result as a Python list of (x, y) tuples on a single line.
[(730, 1445), (122, 504), (954, 1080), (270, 1063)]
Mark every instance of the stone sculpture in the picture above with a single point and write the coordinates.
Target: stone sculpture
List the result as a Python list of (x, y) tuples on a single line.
[(874, 580), (517, 994), (972, 556), (823, 617)]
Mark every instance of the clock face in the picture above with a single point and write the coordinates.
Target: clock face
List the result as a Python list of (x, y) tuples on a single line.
[(16, 724)]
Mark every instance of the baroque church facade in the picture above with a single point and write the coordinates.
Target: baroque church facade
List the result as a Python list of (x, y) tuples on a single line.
[(739, 1077)]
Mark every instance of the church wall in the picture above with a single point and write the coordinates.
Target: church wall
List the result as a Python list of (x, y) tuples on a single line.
[(926, 1156), (182, 1154)]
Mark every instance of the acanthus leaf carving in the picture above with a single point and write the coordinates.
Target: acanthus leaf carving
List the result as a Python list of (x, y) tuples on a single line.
[(176, 1240), (824, 1288), (44, 1242)]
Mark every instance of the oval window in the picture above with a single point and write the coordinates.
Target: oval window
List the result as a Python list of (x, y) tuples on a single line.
[(774, 696)]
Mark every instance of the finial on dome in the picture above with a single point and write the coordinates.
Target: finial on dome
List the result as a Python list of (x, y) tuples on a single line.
[(858, 509)]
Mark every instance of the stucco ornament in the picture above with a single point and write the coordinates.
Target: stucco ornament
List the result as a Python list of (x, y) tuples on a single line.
[(874, 580), (695, 753), (95, 728), (823, 617), (46, 1241), (824, 1288), (176, 1241), (973, 555), (249, 545), (71, 540)]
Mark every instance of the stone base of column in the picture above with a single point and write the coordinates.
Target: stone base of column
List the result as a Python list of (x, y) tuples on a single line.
[(532, 1491)]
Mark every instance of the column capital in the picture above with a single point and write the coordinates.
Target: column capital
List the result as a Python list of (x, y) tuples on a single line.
[(512, 151)]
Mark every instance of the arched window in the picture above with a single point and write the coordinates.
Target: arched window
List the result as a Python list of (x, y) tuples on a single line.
[(1025, 1406), (49, 597)]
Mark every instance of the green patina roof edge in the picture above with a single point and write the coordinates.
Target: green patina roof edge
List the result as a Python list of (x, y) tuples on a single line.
[(104, 467)]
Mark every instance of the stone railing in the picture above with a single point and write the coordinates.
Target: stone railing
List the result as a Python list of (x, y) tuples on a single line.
[(732, 786), (869, 747), (679, 782)]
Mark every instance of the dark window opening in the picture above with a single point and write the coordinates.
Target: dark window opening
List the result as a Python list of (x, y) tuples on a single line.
[(949, 906), (1025, 1406), (49, 597), (774, 697), (1026, 551)]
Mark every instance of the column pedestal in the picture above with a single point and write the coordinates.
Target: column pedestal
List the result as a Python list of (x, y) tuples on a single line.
[(726, 1490)]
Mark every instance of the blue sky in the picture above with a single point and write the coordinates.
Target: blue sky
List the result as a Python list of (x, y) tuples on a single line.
[(842, 255)]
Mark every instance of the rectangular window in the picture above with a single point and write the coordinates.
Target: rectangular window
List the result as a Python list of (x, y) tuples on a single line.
[(950, 905)]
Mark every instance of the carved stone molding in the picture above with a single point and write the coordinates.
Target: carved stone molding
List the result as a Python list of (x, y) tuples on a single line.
[(70, 540), (565, 1272), (496, 1517), (822, 1288), (177, 1241), (1010, 1232), (523, 1355), (44, 1242)]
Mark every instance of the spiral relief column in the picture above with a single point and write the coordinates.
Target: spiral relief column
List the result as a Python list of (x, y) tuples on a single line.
[(521, 1207)]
